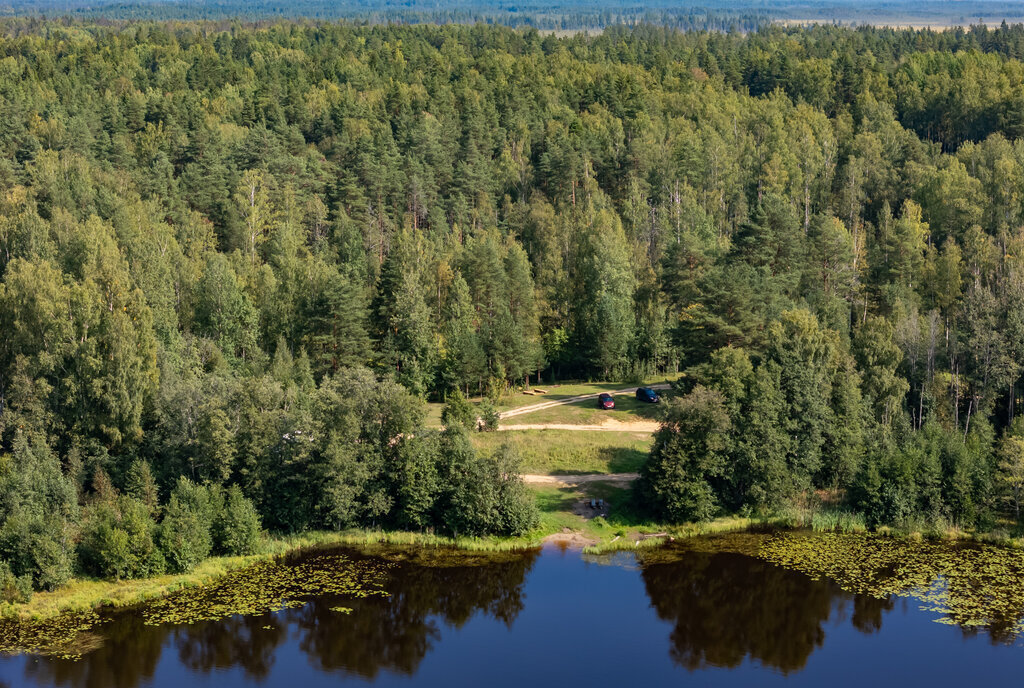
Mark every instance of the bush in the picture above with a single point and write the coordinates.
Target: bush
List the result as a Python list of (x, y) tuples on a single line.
[(517, 509), (237, 527), (483, 495), (14, 588), (118, 541), (37, 546), (184, 536), (458, 410), (489, 416)]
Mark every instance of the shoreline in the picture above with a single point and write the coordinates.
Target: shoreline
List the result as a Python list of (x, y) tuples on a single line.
[(89, 595)]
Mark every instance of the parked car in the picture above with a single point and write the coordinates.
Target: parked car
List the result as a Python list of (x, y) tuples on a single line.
[(647, 395), (605, 401)]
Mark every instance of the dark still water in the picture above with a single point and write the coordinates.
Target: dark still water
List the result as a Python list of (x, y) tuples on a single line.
[(554, 618)]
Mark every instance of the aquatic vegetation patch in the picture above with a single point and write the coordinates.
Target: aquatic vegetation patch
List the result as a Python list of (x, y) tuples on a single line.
[(266, 586), (747, 543), (973, 586), (67, 636), (271, 586)]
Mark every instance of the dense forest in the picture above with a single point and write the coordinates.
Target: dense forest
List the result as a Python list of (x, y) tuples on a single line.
[(234, 263)]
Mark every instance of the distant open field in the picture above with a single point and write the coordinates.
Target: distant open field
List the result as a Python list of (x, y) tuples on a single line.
[(909, 22)]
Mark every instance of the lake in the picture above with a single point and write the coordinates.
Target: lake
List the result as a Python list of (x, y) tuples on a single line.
[(679, 615)]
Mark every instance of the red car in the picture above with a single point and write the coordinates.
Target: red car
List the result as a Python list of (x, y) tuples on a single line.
[(605, 401)]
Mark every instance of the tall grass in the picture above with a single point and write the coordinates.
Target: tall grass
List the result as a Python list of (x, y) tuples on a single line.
[(838, 521)]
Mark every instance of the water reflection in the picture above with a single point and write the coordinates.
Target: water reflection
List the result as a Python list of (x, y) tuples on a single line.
[(397, 632), (128, 652), (392, 633), (727, 607), (740, 619), (246, 642)]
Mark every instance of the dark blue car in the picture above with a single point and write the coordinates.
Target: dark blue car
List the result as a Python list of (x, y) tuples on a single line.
[(648, 395)]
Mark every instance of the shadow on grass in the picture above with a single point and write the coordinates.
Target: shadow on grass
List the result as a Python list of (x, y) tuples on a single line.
[(624, 511), (557, 499)]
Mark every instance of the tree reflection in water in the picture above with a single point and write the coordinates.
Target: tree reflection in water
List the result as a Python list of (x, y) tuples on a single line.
[(392, 633), (397, 632), (727, 607)]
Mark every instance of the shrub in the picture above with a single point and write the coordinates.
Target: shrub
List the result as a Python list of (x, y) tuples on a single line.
[(458, 410), (237, 526), (483, 494), (489, 416), (118, 541), (14, 588), (141, 485), (517, 509), (184, 536), (37, 546)]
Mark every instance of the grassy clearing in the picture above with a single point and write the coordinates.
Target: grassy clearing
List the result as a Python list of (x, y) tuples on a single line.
[(553, 392), (551, 452), (556, 509), (565, 390), (627, 408)]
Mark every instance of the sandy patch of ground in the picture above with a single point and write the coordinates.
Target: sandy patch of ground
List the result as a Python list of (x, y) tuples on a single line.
[(570, 480), (608, 425), (569, 539)]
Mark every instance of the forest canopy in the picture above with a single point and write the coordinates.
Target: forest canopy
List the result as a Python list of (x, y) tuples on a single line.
[(234, 262)]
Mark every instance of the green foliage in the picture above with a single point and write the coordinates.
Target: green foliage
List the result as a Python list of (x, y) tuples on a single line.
[(184, 536), (236, 528), (482, 494), (118, 540), (682, 478), (489, 416), (253, 277), (38, 509), (141, 485), (14, 588), (458, 411)]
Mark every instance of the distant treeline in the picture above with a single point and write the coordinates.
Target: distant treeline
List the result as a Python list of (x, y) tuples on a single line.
[(562, 15), (558, 16)]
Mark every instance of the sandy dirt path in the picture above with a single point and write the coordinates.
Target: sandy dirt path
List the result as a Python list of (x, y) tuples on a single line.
[(610, 425), (571, 400), (570, 480)]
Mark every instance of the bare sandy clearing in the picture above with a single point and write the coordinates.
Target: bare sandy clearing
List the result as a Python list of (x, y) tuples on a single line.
[(570, 480), (610, 425)]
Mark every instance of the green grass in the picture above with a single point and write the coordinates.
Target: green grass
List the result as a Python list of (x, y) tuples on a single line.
[(554, 392), (552, 452), (556, 504), (627, 408), (623, 528), (557, 392), (838, 521)]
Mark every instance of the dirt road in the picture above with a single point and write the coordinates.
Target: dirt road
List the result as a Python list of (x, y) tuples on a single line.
[(610, 425), (570, 400), (570, 480)]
